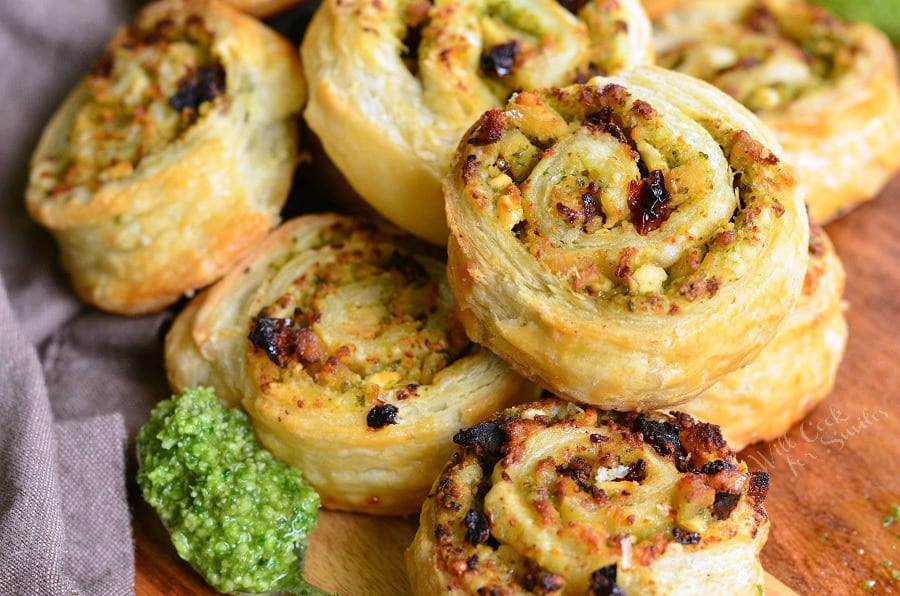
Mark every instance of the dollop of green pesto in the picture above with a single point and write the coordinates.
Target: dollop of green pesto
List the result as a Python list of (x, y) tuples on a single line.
[(236, 513)]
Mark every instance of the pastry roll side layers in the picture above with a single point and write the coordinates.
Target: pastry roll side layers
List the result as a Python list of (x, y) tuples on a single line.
[(828, 88), (395, 83), (339, 337), (795, 371), (172, 157), (553, 498), (627, 242)]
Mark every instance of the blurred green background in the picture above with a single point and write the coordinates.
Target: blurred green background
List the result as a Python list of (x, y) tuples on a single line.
[(884, 14)]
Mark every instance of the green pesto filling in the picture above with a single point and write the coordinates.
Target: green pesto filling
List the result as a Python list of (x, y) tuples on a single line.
[(240, 516)]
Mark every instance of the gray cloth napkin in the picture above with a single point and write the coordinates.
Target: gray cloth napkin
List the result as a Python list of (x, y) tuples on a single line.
[(76, 383)]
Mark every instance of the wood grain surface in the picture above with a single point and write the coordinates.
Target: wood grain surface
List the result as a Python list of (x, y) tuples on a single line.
[(834, 476)]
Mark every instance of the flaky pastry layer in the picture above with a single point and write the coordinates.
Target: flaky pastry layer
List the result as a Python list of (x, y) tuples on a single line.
[(795, 371)]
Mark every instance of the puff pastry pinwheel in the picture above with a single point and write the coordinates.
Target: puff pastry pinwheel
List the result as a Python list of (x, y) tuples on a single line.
[(171, 157), (828, 88), (795, 371), (627, 242), (339, 338), (395, 83), (552, 498)]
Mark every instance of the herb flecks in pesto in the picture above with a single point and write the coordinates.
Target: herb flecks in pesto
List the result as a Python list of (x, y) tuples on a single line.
[(240, 516)]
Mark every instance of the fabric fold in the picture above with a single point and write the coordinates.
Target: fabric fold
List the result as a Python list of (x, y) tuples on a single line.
[(64, 519)]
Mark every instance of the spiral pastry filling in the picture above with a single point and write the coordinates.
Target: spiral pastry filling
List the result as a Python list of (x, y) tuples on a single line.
[(340, 337), (643, 206), (764, 54), (366, 321), (154, 80), (584, 193), (552, 498), (493, 48)]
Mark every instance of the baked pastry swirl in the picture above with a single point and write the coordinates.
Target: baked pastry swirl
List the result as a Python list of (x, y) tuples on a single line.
[(339, 337), (795, 371), (405, 78), (828, 88), (611, 240), (171, 157), (552, 498)]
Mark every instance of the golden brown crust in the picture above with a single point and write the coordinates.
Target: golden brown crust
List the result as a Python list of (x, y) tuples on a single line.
[(408, 77), (339, 337), (828, 88), (610, 239), (655, 8), (263, 8), (795, 371), (552, 498), (172, 157)]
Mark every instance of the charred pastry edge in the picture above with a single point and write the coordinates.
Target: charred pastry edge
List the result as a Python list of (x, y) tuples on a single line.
[(690, 445), (198, 87), (681, 440)]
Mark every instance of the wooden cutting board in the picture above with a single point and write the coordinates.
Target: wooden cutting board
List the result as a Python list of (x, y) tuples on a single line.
[(834, 477)]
